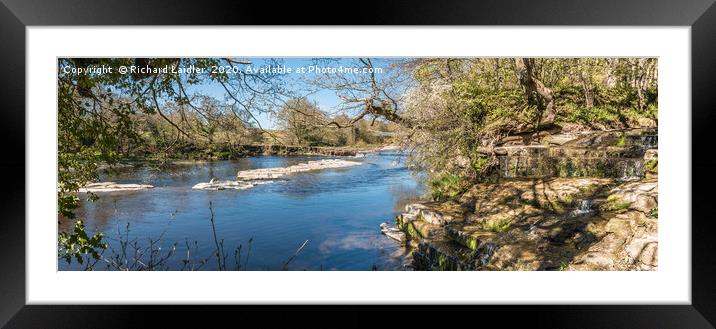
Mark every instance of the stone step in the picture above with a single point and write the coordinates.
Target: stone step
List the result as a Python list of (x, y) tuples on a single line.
[(642, 139), (419, 229), (470, 236)]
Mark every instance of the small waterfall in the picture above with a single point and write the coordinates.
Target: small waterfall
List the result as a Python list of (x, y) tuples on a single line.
[(631, 169), (585, 207), (485, 252), (646, 141)]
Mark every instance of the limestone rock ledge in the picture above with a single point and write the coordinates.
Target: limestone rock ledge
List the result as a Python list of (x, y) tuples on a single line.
[(227, 185), (247, 179), (272, 173), (541, 224), (112, 187)]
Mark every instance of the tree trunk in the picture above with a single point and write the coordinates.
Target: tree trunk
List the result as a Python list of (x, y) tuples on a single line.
[(536, 92)]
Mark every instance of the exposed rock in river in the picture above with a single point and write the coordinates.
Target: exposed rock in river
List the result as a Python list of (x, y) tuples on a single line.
[(112, 187), (272, 173), (249, 178), (227, 184), (392, 232)]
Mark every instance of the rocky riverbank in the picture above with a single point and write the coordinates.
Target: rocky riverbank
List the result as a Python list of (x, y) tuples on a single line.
[(568, 214), (550, 224)]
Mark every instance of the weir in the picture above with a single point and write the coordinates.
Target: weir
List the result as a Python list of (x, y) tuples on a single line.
[(612, 154)]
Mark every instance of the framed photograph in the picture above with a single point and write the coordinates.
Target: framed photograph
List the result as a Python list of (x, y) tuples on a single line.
[(508, 156)]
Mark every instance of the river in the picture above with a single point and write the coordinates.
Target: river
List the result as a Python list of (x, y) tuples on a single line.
[(337, 210)]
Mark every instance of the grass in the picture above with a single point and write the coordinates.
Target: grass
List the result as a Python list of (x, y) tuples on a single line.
[(446, 187)]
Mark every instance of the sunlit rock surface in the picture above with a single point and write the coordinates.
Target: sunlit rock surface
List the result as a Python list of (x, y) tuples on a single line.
[(392, 232), (272, 173), (112, 187), (226, 184), (538, 224), (583, 202), (249, 178)]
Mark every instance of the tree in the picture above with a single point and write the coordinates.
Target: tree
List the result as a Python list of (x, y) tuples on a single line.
[(303, 120), (97, 112), (537, 93)]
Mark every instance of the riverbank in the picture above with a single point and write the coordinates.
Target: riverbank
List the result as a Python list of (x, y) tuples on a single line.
[(192, 154), (590, 203), (551, 224), (226, 151)]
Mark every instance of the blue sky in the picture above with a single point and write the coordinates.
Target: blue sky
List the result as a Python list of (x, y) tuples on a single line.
[(326, 99)]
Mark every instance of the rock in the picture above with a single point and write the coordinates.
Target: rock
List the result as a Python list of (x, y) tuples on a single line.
[(619, 224), (646, 122), (646, 187), (643, 250), (392, 232), (420, 228), (215, 185), (112, 187), (537, 228), (468, 236), (408, 217), (443, 256), (560, 139), (414, 208), (272, 173), (651, 154), (642, 196), (595, 261), (434, 217)]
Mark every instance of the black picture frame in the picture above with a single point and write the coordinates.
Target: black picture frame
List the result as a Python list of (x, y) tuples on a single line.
[(700, 15)]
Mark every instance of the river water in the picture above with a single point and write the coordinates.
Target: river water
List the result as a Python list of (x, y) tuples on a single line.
[(337, 210)]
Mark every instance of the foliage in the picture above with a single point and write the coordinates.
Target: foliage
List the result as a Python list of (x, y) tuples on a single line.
[(446, 187), (449, 112), (79, 243), (621, 142), (303, 123), (465, 107), (104, 116)]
